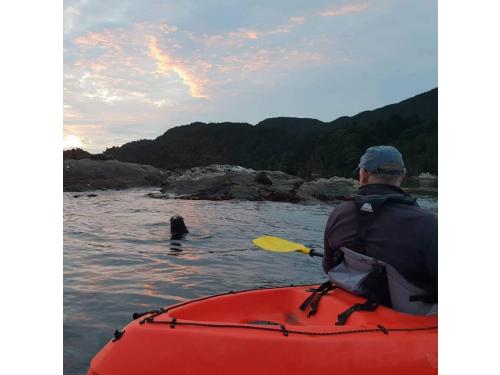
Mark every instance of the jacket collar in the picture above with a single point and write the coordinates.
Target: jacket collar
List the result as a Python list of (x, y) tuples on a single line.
[(380, 189)]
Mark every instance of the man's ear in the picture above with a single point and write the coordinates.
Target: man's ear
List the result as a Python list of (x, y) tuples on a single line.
[(363, 176), (403, 176)]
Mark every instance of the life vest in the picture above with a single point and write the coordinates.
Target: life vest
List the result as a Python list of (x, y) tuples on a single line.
[(377, 280)]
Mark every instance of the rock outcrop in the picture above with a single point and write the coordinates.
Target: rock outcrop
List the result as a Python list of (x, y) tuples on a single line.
[(331, 189), (214, 182), (223, 182), (86, 174), (424, 184)]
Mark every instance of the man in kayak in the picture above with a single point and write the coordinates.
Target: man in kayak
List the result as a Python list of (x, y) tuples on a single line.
[(385, 223)]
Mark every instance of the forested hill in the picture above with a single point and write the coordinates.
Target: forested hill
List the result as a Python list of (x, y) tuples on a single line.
[(299, 146)]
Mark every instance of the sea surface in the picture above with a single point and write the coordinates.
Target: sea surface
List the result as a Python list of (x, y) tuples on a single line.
[(119, 259)]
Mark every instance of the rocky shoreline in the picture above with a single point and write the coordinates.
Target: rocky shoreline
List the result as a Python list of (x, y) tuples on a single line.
[(214, 182), (88, 174)]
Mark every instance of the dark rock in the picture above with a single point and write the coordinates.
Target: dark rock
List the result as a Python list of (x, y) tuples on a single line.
[(432, 192), (87, 174), (224, 182), (424, 184), (276, 196), (159, 195), (262, 178), (428, 181), (410, 182), (100, 157), (335, 188)]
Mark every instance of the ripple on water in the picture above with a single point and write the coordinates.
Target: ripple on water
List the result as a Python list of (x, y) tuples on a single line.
[(119, 259)]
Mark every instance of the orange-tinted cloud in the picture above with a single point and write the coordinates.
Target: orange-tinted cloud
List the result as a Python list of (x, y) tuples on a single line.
[(242, 35), (288, 27), (346, 9), (251, 35), (280, 59), (166, 64), (298, 20), (106, 39), (115, 65)]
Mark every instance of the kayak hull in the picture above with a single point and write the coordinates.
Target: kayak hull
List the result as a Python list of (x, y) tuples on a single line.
[(264, 332)]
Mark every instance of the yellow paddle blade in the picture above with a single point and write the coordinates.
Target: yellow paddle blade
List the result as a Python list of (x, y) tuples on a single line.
[(279, 245)]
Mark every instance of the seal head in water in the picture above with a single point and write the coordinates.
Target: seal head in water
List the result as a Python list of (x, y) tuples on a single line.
[(177, 227)]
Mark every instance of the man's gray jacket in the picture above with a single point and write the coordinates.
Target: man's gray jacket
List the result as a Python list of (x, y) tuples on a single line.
[(404, 236)]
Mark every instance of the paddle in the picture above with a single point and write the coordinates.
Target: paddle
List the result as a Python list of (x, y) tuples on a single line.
[(279, 245)]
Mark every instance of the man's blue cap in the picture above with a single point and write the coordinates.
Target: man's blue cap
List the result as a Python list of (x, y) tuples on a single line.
[(382, 160)]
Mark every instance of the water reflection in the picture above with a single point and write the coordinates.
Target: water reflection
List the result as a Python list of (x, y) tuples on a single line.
[(149, 290), (119, 257), (175, 247)]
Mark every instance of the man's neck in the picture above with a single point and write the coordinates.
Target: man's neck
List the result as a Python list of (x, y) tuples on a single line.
[(382, 187)]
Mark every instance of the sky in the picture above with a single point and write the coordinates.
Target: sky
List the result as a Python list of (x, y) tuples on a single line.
[(135, 68)]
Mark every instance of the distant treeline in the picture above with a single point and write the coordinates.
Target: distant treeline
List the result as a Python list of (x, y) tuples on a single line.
[(300, 146)]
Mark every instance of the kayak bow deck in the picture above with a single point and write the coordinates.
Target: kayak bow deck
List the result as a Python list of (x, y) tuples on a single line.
[(263, 331)]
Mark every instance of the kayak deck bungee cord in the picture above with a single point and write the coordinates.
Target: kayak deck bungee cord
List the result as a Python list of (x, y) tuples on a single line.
[(264, 331), (318, 329)]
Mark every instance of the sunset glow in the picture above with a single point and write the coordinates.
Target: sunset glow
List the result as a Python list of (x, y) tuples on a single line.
[(72, 141), (135, 70)]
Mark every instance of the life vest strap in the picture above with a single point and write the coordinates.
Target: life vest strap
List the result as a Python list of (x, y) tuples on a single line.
[(368, 305), (314, 298)]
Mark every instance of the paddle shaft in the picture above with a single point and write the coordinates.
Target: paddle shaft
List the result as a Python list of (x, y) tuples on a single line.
[(271, 243), (314, 253)]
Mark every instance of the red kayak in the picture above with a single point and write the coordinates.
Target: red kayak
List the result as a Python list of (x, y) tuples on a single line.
[(265, 332)]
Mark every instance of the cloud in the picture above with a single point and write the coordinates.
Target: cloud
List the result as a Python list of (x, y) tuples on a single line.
[(154, 63), (166, 64), (343, 10), (151, 72), (241, 36), (130, 64), (106, 39), (133, 69), (280, 59), (69, 113), (70, 17)]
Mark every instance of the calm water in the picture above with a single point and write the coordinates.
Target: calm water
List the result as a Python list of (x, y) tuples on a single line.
[(118, 258)]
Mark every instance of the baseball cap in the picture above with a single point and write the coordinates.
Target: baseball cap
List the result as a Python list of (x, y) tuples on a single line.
[(382, 160)]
